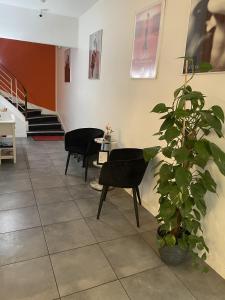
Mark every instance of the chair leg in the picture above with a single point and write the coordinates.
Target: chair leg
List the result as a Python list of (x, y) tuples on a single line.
[(102, 199), (84, 161), (67, 162), (86, 168), (138, 195), (135, 206)]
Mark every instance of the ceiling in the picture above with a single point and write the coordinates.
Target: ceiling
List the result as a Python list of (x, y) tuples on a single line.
[(69, 8)]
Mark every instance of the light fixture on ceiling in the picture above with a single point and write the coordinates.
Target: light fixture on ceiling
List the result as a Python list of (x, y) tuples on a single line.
[(42, 12)]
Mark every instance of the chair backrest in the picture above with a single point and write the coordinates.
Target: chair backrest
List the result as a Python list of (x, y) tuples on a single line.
[(126, 168), (126, 154), (82, 136)]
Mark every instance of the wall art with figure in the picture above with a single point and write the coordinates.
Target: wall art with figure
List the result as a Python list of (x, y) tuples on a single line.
[(67, 65), (206, 34), (146, 41), (95, 51)]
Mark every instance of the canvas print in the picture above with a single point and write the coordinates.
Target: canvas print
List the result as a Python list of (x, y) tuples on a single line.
[(146, 42), (67, 65), (206, 34), (95, 50)]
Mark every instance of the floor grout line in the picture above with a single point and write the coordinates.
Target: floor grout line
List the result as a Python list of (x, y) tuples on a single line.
[(57, 287)]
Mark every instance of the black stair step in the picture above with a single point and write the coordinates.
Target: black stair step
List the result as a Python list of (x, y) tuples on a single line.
[(46, 132), (46, 126), (33, 112), (42, 119)]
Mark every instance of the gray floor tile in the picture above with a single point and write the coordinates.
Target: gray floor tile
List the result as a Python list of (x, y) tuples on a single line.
[(73, 180), (80, 269), (204, 286), (39, 172), (157, 284), (52, 195), (130, 255), (14, 174), (10, 166), (69, 235), (147, 220), (110, 226), (59, 212), (22, 245), (47, 182), (42, 163), (89, 207), (109, 291), (15, 185), (37, 156), (150, 238), (30, 280), (16, 200), (121, 199), (17, 219), (83, 191)]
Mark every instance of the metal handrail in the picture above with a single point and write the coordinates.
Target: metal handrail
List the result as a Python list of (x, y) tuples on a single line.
[(15, 87)]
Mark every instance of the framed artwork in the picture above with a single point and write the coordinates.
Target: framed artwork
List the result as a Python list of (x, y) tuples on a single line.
[(146, 41), (67, 65), (206, 40), (103, 157), (95, 52)]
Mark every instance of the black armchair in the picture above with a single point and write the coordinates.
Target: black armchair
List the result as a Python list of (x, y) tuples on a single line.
[(81, 141), (125, 169)]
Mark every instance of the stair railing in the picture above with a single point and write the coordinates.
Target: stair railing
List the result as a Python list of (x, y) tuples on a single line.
[(15, 90)]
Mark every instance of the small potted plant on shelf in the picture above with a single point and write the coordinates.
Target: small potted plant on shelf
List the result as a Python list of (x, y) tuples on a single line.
[(183, 177)]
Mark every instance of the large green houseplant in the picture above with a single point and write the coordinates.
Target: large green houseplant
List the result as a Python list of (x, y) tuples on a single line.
[(183, 177)]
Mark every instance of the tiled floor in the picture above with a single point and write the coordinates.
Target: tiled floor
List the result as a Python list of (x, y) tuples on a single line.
[(52, 247)]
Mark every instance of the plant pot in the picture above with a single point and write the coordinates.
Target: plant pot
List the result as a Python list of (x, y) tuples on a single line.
[(173, 255)]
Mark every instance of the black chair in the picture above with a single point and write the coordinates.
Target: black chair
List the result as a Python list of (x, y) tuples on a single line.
[(81, 141), (124, 169)]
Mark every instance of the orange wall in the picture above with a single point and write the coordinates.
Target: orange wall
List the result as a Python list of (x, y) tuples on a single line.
[(34, 65)]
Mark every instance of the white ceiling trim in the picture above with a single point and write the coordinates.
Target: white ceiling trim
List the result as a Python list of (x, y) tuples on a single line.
[(68, 8)]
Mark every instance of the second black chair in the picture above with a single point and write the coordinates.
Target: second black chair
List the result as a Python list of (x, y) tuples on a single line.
[(125, 169), (81, 141)]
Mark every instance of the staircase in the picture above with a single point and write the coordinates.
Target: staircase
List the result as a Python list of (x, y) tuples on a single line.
[(38, 124)]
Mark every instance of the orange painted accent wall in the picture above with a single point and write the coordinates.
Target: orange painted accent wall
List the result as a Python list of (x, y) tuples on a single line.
[(35, 66)]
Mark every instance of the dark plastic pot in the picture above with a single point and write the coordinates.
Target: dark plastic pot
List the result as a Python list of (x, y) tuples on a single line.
[(172, 255)]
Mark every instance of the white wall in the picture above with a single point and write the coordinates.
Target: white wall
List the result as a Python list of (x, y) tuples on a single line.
[(25, 24), (125, 103)]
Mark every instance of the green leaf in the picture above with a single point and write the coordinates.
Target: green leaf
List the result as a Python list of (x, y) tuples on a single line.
[(205, 67), (167, 210), (165, 173), (150, 153), (200, 204), (218, 112), (167, 123), (170, 240), (208, 181), (202, 148), (167, 151), (183, 177), (171, 134), (160, 108), (181, 154), (197, 215), (218, 156)]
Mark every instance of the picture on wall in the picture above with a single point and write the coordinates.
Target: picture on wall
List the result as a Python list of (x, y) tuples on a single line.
[(206, 34), (95, 51), (146, 41), (67, 65)]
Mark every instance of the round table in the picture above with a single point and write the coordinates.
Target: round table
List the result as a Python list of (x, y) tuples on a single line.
[(105, 146)]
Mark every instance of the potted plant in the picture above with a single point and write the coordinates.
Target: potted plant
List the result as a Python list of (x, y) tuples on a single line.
[(183, 177)]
